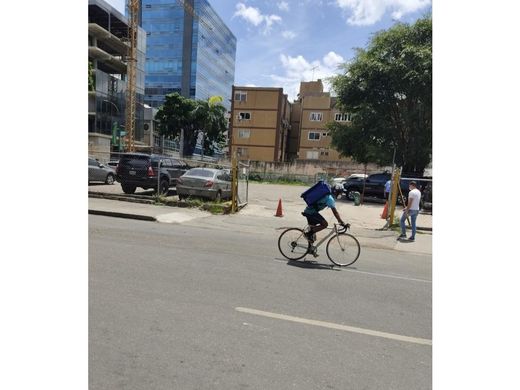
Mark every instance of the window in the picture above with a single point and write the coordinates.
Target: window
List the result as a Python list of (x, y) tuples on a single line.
[(339, 117), (314, 136), (316, 116), (242, 152), (244, 133), (240, 96), (313, 154), (324, 134), (244, 116)]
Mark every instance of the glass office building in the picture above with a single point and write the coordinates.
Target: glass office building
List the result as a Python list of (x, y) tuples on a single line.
[(192, 53)]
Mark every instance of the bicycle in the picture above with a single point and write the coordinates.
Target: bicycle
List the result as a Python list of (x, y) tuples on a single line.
[(342, 249)]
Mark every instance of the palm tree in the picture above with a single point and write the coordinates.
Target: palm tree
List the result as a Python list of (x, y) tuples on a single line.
[(210, 117)]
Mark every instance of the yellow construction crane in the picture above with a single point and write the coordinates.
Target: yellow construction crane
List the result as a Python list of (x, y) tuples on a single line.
[(133, 11), (133, 8)]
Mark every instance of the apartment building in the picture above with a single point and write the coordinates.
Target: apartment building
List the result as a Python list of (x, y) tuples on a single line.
[(260, 122), (311, 112)]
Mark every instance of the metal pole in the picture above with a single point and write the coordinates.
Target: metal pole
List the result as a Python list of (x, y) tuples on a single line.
[(234, 183), (158, 178), (393, 195)]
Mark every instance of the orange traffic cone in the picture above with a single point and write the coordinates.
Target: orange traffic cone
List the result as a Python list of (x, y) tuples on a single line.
[(279, 212), (385, 211)]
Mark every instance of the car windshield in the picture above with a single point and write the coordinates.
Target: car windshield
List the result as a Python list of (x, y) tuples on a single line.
[(199, 172)]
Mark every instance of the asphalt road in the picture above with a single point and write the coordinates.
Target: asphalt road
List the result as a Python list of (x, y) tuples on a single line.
[(189, 307)]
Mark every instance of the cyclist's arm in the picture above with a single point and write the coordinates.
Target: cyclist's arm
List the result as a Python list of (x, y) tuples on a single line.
[(336, 214)]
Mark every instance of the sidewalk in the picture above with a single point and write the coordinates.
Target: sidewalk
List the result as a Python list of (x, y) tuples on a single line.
[(258, 219)]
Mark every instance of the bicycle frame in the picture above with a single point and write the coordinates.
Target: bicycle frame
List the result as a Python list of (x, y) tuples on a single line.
[(333, 231)]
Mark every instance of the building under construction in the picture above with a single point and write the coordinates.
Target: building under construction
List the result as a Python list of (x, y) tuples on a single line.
[(108, 49)]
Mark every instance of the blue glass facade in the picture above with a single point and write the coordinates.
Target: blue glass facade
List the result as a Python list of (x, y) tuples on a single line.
[(211, 67)]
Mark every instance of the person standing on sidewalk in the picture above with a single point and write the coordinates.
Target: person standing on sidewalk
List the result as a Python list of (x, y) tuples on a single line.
[(388, 185), (411, 210)]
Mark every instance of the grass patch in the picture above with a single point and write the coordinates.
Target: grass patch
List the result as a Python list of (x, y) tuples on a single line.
[(284, 181), (197, 203)]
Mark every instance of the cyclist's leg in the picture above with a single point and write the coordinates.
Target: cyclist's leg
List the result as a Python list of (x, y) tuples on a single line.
[(316, 224)]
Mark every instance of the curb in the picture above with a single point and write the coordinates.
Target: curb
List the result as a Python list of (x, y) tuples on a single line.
[(122, 215)]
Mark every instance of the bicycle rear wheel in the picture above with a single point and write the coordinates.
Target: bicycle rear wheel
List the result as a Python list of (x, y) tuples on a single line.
[(343, 249), (292, 244)]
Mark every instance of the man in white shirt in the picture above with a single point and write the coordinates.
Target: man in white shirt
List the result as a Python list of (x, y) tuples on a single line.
[(388, 186), (411, 210)]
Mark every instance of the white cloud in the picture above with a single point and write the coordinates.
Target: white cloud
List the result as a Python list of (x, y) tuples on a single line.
[(367, 12), (297, 69), (283, 6), (255, 17), (289, 34)]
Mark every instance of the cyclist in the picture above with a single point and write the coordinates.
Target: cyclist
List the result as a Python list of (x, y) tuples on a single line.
[(315, 220)]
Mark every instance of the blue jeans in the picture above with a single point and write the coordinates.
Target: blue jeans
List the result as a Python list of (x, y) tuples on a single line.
[(413, 216)]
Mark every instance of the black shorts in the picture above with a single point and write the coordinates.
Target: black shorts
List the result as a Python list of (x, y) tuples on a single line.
[(314, 219)]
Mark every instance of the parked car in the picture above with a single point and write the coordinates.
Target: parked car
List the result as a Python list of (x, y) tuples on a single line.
[(375, 185), (142, 170), (100, 172), (339, 183), (113, 164), (206, 183)]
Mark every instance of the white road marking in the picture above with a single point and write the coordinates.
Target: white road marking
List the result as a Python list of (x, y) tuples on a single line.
[(369, 273), (388, 275), (332, 325)]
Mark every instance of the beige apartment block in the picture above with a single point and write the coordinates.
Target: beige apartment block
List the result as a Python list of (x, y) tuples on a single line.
[(316, 108), (259, 125)]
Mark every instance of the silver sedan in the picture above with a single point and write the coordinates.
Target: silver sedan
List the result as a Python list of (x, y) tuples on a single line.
[(208, 183)]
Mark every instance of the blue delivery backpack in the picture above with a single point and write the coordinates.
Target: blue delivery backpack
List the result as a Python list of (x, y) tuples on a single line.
[(316, 192)]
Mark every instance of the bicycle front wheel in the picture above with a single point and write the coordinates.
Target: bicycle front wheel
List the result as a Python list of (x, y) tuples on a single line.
[(292, 244), (343, 249)]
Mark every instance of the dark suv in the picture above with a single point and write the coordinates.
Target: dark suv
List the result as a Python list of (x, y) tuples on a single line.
[(141, 170), (375, 185)]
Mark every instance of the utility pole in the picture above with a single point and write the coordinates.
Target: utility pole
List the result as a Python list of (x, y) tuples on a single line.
[(313, 68), (133, 7)]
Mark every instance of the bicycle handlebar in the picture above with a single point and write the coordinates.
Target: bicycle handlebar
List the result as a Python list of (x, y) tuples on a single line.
[(344, 227)]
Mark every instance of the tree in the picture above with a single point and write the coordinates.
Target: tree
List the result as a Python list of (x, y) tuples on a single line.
[(192, 116), (91, 77), (387, 88), (176, 116), (211, 121)]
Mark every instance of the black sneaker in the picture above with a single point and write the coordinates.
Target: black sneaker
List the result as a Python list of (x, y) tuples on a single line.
[(401, 236), (411, 239)]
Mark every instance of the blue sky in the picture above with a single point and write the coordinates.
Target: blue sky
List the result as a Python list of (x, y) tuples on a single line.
[(279, 42)]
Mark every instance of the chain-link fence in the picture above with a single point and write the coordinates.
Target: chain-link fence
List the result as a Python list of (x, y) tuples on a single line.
[(243, 184)]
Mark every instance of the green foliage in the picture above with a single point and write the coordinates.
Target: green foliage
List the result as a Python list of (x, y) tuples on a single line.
[(388, 90), (91, 77), (193, 116)]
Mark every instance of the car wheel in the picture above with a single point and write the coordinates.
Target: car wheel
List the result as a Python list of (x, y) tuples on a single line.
[(110, 179), (128, 189), (164, 186), (218, 197)]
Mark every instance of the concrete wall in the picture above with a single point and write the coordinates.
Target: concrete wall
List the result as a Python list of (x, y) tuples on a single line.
[(310, 168), (99, 146)]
